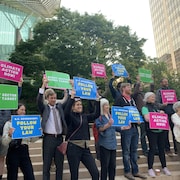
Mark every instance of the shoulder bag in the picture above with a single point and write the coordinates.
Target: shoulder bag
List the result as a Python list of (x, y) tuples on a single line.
[(62, 148)]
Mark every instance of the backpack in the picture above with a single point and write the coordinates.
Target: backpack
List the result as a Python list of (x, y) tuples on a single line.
[(96, 131)]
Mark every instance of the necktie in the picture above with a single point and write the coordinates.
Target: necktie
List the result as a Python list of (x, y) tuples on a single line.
[(56, 120)]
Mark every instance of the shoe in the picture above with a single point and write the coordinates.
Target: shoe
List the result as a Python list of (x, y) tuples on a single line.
[(166, 171), (170, 153), (140, 176), (151, 173), (129, 176)]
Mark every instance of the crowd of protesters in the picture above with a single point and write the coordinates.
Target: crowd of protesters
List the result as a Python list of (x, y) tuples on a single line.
[(64, 117)]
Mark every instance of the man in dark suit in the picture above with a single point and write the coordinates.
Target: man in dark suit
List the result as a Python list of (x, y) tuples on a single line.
[(54, 126)]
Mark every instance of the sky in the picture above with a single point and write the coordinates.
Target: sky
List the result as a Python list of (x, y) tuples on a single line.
[(134, 13)]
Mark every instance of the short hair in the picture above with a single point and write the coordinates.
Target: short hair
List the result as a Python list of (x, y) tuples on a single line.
[(123, 85), (49, 92), (163, 79), (176, 105)]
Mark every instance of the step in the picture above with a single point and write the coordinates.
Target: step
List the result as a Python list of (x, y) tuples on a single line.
[(172, 166), (83, 174)]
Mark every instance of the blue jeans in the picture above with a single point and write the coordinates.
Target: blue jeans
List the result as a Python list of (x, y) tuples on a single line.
[(129, 143)]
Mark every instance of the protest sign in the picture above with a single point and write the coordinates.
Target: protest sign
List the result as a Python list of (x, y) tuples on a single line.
[(134, 115), (145, 75), (58, 80), (8, 97), (85, 89), (10, 71), (119, 70), (158, 121), (98, 70), (26, 126), (168, 96), (120, 116)]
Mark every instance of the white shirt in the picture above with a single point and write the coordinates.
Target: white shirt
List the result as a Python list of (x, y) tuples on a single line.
[(176, 120), (50, 124)]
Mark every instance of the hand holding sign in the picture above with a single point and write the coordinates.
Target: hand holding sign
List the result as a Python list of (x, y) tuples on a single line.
[(58, 80), (120, 116), (26, 126), (10, 71), (85, 89), (119, 70), (168, 96), (158, 121), (98, 70), (11, 131)]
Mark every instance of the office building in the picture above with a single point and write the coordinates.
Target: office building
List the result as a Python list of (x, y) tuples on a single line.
[(165, 15)]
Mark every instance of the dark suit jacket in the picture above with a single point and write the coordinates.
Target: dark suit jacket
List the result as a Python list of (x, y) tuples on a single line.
[(45, 112)]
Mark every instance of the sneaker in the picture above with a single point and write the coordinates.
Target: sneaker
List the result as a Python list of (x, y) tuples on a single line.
[(170, 153), (166, 171), (151, 173), (140, 176), (129, 176)]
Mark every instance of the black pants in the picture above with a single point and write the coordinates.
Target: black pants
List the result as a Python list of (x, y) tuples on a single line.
[(108, 163), (19, 157), (75, 154), (50, 152), (156, 140), (167, 145), (178, 148)]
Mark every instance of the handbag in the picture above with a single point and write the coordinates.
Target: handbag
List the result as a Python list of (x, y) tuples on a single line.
[(62, 148)]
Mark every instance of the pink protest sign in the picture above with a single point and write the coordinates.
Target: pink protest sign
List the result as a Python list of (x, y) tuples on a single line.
[(168, 96), (158, 121), (98, 70), (10, 71)]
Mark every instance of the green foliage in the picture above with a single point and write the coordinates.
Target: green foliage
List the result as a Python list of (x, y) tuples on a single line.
[(70, 42), (159, 71)]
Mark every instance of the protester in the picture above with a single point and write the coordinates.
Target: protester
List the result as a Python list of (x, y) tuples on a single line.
[(5, 115), (53, 126), (129, 138), (78, 146), (168, 109), (91, 106), (18, 151), (176, 120), (107, 141), (138, 96), (156, 137), (115, 92)]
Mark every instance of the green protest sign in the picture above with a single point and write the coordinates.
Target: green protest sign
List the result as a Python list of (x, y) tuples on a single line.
[(145, 75), (58, 80), (8, 97)]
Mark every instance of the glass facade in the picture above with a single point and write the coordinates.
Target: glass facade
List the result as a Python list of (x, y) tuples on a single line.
[(165, 15), (18, 17), (13, 22)]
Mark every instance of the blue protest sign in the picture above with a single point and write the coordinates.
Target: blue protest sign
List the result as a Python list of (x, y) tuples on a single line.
[(26, 126), (120, 116), (119, 70), (85, 89), (134, 115)]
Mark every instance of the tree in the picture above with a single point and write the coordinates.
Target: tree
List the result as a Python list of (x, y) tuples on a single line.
[(70, 42)]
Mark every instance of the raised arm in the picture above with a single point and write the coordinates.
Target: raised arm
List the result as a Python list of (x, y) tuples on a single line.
[(65, 98), (40, 99), (112, 89), (20, 88), (106, 92), (92, 116)]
